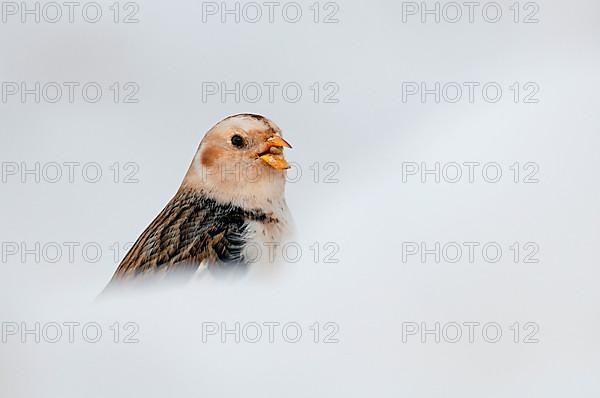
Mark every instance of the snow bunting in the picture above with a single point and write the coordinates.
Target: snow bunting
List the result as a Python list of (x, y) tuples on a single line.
[(231, 198)]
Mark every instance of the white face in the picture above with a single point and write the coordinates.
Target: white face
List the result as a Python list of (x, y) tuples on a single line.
[(240, 159)]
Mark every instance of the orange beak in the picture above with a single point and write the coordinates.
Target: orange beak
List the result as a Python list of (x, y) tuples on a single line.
[(274, 154)]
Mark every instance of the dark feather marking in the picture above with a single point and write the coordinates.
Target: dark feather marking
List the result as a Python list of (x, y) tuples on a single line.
[(260, 118), (190, 229)]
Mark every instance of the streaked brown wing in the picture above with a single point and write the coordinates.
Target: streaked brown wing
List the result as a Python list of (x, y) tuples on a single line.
[(189, 230)]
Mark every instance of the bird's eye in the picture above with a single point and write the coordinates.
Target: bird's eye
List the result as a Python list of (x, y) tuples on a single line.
[(237, 141)]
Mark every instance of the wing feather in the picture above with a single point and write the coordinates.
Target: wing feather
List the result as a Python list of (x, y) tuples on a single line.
[(190, 230)]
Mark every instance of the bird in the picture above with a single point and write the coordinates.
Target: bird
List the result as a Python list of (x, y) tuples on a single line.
[(230, 203)]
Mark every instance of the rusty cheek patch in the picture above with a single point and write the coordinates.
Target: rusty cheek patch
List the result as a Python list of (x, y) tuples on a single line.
[(209, 156)]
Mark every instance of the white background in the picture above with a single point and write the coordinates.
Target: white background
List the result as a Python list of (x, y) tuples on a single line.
[(368, 134)]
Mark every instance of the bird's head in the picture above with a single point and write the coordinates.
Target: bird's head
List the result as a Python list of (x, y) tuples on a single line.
[(240, 156)]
